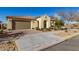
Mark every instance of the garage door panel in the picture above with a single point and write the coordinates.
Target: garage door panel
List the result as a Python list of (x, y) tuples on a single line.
[(22, 25)]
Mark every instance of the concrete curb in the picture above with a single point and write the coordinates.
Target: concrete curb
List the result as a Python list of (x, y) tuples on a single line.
[(64, 39)]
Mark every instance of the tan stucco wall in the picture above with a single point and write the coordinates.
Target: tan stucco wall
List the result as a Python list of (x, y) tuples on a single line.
[(34, 24), (18, 25), (41, 21), (9, 24)]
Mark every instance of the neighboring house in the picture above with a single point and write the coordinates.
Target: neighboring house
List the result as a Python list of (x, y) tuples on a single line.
[(28, 22), (2, 26)]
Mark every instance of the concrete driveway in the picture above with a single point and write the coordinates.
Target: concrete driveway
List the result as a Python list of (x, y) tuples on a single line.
[(38, 41)]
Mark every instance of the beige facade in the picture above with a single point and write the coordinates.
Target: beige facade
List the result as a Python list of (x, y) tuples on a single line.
[(28, 23), (16, 23), (44, 21), (34, 24), (9, 24)]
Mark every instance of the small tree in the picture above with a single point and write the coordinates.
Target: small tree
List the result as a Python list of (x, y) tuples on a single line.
[(59, 24), (69, 16)]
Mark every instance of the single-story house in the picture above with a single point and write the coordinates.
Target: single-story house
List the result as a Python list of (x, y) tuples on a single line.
[(28, 22), (2, 26)]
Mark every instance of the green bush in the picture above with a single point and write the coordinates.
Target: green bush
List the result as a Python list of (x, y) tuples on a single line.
[(10, 30), (59, 24), (44, 29), (55, 28), (66, 30), (1, 31), (48, 29)]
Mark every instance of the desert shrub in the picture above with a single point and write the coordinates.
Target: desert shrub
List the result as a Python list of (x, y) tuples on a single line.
[(66, 30), (37, 28), (1, 31), (32, 28), (10, 30), (59, 24), (41, 29), (55, 28), (48, 29)]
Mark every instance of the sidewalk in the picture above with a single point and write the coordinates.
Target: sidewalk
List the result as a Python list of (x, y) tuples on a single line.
[(73, 35)]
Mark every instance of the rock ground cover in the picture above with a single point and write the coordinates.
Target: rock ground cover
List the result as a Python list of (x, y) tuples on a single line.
[(8, 46)]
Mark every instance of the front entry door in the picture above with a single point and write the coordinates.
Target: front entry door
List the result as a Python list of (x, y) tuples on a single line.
[(44, 23)]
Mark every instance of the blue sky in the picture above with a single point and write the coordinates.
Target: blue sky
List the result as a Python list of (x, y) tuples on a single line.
[(31, 11)]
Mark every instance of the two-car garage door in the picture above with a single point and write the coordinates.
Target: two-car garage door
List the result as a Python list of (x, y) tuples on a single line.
[(22, 25)]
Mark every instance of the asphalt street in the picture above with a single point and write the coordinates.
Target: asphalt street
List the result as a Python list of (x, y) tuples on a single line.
[(68, 45)]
